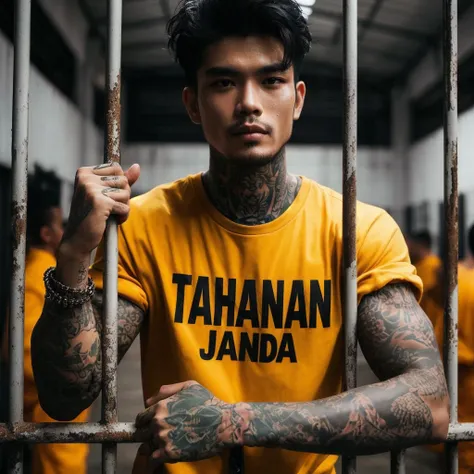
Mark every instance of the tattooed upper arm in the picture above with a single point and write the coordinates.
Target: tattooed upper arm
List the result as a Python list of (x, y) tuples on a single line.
[(129, 319), (394, 333)]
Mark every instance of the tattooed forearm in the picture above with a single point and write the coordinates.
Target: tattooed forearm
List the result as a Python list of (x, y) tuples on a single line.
[(66, 353), (408, 407)]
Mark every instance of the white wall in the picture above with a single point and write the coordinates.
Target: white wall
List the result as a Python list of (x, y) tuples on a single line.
[(379, 176), (59, 137), (426, 170)]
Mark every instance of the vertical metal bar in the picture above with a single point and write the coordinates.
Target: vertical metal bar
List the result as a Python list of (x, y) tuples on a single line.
[(397, 462), (450, 18), (349, 203), (112, 153), (21, 80)]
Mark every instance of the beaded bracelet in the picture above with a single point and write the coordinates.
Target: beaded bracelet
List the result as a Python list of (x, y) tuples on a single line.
[(64, 295)]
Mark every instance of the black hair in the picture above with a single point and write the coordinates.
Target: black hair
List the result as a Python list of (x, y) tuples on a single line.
[(43, 196), (470, 239), (423, 237), (201, 23)]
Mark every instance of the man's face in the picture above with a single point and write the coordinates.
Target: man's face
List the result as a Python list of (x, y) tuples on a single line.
[(244, 101)]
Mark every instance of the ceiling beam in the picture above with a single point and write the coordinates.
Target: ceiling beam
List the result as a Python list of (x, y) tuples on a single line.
[(434, 42), (384, 28)]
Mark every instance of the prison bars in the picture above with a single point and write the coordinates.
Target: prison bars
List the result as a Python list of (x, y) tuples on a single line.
[(110, 432), (349, 201), (112, 154), (21, 79), (450, 58)]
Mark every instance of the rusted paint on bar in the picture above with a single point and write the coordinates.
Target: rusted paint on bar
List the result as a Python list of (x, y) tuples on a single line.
[(114, 120), (397, 462), (450, 18), (71, 433), (349, 204)]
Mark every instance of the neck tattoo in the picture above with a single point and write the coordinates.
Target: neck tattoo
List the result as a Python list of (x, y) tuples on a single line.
[(251, 195)]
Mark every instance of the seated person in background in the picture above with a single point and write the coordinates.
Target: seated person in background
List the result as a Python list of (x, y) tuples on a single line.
[(427, 266), (44, 233), (468, 261), (465, 354)]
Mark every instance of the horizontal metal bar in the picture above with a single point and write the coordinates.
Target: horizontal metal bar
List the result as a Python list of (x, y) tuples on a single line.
[(125, 433), (71, 433), (461, 432)]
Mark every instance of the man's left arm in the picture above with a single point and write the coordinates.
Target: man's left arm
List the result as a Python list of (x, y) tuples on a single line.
[(408, 407)]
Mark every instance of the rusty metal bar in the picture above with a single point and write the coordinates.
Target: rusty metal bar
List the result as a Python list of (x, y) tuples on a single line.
[(112, 153), (70, 433), (450, 55), (125, 433), (397, 462), (461, 432), (349, 203), (21, 80)]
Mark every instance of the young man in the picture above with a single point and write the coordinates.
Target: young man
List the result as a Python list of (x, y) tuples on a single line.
[(233, 279), (44, 233), (428, 265)]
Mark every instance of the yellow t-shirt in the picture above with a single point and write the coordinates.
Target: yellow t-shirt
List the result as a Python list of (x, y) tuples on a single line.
[(251, 313), (465, 360), (47, 458), (427, 269)]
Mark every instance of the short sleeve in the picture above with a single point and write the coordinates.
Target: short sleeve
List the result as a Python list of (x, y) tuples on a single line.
[(129, 286), (383, 258)]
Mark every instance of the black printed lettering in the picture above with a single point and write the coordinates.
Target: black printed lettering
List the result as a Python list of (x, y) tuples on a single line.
[(248, 305), (296, 299), (287, 349), (268, 348), (272, 304), (222, 301), (248, 348), (198, 310), (227, 347), (182, 281), (317, 302), (212, 347)]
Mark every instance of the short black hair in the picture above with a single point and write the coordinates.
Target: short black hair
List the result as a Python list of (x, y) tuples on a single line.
[(43, 196), (38, 215), (200, 23), (423, 237), (470, 239)]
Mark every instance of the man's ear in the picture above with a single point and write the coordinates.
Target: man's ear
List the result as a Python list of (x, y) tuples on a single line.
[(45, 234), (190, 101), (299, 102)]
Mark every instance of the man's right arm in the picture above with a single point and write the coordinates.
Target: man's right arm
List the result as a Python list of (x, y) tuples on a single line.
[(66, 350), (66, 342)]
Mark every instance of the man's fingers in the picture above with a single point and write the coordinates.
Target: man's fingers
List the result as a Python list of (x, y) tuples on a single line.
[(120, 182), (167, 391), (132, 174), (145, 417), (108, 169)]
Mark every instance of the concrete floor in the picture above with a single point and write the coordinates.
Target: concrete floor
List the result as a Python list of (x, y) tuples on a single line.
[(419, 460)]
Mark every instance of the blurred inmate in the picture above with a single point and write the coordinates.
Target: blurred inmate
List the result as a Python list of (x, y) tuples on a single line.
[(44, 233), (428, 265), (233, 279), (465, 353)]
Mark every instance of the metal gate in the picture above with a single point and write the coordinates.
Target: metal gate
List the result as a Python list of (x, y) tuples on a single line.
[(109, 432)]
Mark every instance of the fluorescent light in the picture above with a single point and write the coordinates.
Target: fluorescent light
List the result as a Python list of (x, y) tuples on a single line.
[(306, 11), (306, 3)]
